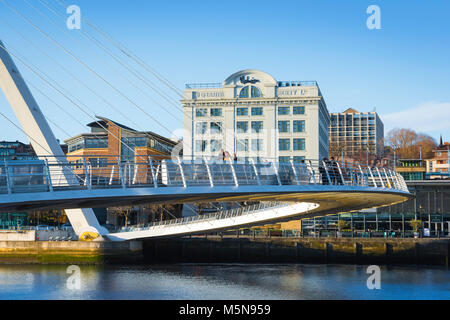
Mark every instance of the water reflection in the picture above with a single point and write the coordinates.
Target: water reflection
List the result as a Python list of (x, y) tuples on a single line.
[(223, 281)]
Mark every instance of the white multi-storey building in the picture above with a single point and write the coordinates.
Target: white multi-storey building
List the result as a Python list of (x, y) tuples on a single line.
[(253, 115)]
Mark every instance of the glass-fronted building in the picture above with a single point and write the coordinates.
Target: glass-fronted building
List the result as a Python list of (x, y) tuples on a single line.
[(109, 140), (431, 205), (352, 132)]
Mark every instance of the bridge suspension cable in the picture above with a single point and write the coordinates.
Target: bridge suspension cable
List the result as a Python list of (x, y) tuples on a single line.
[(83, 84), (59, 45), (71, 100), (108, 52), (123, 64), (129, 53), (72, 76)]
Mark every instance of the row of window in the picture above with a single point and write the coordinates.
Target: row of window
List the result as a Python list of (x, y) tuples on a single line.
[(93, 162), (297, 126), (357, 134), (251, 144), (241, 145), (244, 111), (202, 127), (203, 112), (92, 143), (297, 145), (297, 159), (250, 92), (334, 117), (256, 126)]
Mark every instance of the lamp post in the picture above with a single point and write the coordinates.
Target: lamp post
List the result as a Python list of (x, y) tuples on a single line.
[(395, 162), (367, 155)]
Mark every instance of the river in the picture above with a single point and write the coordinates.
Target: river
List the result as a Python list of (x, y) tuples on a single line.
[(220, 282)]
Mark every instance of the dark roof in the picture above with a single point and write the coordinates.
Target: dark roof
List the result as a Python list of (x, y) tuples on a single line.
[(103, 121)]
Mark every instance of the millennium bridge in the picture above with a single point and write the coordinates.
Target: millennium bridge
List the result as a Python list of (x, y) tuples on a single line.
[(284, 190)]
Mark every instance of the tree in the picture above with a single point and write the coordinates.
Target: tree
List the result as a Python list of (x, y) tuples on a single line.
[(124, 212), (343, 225), (408, 144), (336, 149), (415, 224)]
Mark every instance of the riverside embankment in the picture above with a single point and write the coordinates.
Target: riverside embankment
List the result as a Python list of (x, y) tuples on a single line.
[(231, 250), (299, 250), (69, 252)]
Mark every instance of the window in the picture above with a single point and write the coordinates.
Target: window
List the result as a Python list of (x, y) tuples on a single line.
[(299, 125), (284, 159), (216, 127), (98, 162), (216, 112), (244, 93), (200, 145), (284, 111), (257, 144), (250, 91), (299, 144), (96, 143), (215, 145), (257, 111), (201, 112), (242, 111), (256, 93), (242, 127), (257, 126), (301, 110), (284, 144), (242, 145), (74, 147), (284, 126), (201, 127)]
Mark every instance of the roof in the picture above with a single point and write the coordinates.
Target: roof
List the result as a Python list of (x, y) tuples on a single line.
[(102, 123), (350, 110)]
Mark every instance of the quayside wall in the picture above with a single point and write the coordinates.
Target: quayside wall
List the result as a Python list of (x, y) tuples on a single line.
[(231, 250), (298, 250), (69, 252)]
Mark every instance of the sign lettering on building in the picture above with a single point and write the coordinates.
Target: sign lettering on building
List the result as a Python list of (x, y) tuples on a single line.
[(291, 92), (207, 95)]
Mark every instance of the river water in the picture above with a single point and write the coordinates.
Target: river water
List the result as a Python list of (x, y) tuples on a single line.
[(220, 282)]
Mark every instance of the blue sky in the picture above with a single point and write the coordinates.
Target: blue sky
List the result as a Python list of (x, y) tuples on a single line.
[(402, 70)]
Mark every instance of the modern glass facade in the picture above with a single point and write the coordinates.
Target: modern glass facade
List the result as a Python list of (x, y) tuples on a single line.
[(352, 132), (431, 205)]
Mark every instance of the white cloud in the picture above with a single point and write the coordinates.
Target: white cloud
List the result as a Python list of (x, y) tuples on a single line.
[(429, 117)]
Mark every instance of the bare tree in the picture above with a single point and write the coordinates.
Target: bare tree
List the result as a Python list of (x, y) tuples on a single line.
[(408, 144), (336, 149)]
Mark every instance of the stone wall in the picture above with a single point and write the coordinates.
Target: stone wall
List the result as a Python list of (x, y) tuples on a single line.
[(69, 252), (299, 250)]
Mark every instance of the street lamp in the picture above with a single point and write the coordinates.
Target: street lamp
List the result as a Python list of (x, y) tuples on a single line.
[(395, 161), (367, 155)]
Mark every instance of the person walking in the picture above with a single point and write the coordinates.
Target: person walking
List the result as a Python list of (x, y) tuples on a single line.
[(323, 171)]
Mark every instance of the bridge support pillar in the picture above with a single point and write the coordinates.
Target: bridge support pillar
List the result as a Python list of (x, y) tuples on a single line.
[(40, 135)]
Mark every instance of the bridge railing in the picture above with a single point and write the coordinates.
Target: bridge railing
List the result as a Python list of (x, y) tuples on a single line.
[(83, 173), (223, 214)]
